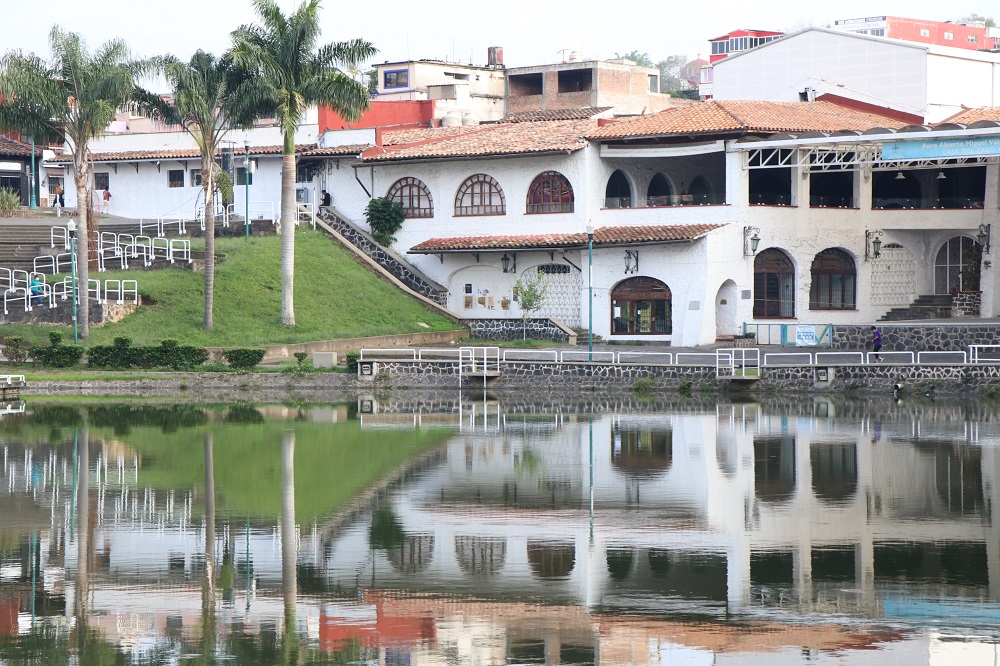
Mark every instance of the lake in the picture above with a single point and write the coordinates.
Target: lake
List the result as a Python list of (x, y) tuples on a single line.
[(425, 528)]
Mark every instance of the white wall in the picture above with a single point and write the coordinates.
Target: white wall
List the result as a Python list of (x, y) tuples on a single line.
[(887, 70), (956, 82)]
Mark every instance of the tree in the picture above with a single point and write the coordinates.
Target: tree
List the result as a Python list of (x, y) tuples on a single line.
[(670, 72), (211, 97), (294, 73), (530, 290), (974, 18), (76, 95), (641, 59)]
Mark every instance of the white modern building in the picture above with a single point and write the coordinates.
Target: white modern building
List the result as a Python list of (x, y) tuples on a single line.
[(923, 82)]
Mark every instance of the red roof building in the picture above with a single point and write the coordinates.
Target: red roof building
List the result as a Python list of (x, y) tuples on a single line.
[(974, 35)]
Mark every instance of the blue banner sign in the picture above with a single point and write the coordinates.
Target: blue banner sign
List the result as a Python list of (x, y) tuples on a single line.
[(916, 150)]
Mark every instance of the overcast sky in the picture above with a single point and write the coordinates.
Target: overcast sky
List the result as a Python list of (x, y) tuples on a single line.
[(531, 32)]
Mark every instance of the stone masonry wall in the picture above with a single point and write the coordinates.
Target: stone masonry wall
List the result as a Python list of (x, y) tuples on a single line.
[(930, 337), (404, 272), (100, 313), (966, 304), (513, 329)]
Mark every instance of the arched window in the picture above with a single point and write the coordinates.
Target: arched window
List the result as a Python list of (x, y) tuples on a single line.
[(700, 191), (834, 281), (640, 306), (958, 265), (550, 192), (773, 285), (618, 193), (413, 196), (659, 192), (480, 195)]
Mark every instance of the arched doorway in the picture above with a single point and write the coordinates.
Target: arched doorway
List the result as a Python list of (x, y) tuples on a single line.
[(726, 323), (773, 285), (957, 265), (640, 306), (563, 284), (618, 193), (893, 276), (701, 191), (659, 192)]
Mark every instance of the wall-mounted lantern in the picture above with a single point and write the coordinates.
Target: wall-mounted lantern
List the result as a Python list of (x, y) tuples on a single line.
[(751, 241), (508, 263), (873, 244), (631, 261)]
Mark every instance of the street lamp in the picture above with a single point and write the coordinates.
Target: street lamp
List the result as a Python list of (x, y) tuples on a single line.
[(32, 201), (71, 230), (590, 292), (246, 188)]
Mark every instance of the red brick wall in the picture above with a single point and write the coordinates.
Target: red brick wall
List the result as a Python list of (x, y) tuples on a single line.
[(382, 114), (909, 29)]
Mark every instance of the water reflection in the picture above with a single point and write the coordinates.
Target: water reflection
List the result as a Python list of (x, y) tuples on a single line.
[(432, 530)]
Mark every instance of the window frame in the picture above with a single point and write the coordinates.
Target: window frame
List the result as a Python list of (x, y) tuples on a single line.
[(403, 191), (761, 279), (629, 295), (195, 178), (100, 178), (481, 187), (824, 277), (395, 77), (241, 177), (537, 189)]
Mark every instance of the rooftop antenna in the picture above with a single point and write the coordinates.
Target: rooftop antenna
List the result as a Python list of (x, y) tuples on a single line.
[(562, 53)]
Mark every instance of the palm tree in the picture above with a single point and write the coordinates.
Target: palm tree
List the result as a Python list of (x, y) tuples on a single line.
[(283, 52), (211, 97), (76, 95)]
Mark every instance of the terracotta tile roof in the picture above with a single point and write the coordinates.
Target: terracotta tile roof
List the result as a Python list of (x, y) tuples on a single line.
[(355, 149), (488, 140), (11, 148), (744, 116), (602, 236), (555, 114), (400, 137), (969, 116), (179, 154)]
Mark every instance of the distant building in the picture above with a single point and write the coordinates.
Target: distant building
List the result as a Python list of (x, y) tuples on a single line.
[(725, 45), (926, 83), (973, 35), (627, 87), (462, 94)]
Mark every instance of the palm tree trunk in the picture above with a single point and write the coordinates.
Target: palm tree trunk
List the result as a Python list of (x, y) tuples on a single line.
[(288, 219), (208, 589), (82, 244), (289, 549), (207, 174)]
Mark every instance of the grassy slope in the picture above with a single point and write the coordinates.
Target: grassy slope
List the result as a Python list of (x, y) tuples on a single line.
[(335, 297)]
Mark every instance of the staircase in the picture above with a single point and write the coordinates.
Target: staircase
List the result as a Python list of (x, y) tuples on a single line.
[(20, 244), (385, 257), (582, 337), (929, 306)]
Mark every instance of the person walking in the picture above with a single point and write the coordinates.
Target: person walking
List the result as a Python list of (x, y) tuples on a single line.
[(107, 202), (877, 343)]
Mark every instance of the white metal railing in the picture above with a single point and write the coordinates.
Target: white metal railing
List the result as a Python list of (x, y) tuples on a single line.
[(788, 358), (541, 354), (946, 356), (840, 358), (737, 362), (15, 294), (645, 355), (60, 234), (699, 358), (153, 224), (10, 380), (488, 359), (159, 244), (163, 222), (223, 216), (64, 289), (380, 354), (586, 356), (437, 354), (94, 290), (180, 248), (890, 357), (53, 263), (984, 353), (6, 281)]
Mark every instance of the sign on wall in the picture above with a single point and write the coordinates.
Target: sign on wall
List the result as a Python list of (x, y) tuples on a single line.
[(915, 150)]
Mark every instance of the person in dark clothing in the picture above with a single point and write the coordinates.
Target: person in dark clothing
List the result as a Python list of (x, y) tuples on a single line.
[(877, 343), (326, 199)]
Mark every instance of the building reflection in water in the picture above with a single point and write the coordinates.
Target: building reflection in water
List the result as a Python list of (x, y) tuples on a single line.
[(627, 536)]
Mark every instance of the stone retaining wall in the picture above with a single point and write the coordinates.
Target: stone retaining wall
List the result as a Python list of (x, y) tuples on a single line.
[(966, 304), (916, 338), (404, 272), (514, 329), (100, 313)]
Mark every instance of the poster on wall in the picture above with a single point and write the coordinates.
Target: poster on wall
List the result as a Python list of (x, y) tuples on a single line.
[(805, 336)]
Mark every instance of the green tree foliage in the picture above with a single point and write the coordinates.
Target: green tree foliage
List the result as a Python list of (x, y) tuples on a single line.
[(530, 290), (74, 95), (294, 72), (641, 59), (974, 18), (670, 72), (385, 217)]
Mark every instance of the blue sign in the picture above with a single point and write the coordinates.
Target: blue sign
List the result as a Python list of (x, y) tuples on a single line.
[(916, 150)]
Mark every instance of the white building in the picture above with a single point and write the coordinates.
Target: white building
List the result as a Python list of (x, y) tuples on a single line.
[(926, 82), (462, 93)]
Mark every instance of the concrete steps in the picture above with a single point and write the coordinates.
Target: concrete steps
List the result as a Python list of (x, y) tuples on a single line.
[(927, 306), (582, 337)]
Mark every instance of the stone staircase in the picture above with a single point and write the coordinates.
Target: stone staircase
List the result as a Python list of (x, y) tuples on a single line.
[(928, 306), (582, 337), (385, 257), (20, 244)]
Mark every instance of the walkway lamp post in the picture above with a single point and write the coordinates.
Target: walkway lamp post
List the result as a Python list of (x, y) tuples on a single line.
[(71, 230), (246, 188), (590, 292), (32, 201)]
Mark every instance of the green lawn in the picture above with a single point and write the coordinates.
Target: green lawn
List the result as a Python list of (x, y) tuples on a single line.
[(335, 297)]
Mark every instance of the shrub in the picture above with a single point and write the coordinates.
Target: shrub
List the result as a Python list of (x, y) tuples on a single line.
[(168, 354), (352, 358), (10, 200), (643, 385), (301, 357), (385, 217), (57, 356), (55, 338), (16, 349), (244, 359)]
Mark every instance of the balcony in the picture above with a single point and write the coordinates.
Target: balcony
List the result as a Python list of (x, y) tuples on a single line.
[(916, 203), (666, 201)]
